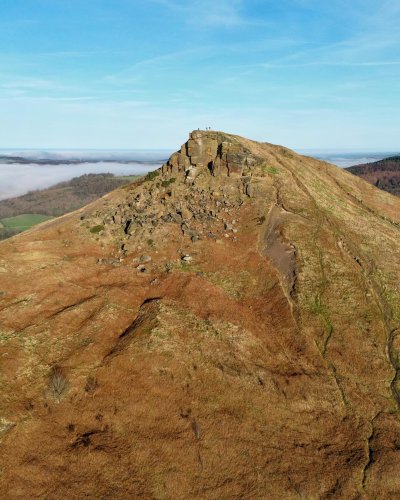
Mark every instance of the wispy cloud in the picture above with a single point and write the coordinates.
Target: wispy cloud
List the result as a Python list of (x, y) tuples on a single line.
[(369, 36), (28, 83), (61, 98), (197, 57), (373, 49), (132, 73), (331, 63), (211, 13), (75, 53)]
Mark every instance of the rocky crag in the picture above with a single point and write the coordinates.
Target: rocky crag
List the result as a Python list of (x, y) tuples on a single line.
[(225, 328)]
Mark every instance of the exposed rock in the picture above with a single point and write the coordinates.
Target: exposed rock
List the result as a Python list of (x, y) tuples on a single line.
[(109, 261), (281, 251), (5, 426), (145, 258), (186, 213), (117, 219)]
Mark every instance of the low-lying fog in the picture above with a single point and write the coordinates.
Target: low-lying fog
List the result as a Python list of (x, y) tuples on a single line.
[(346, 159), (19, 178)]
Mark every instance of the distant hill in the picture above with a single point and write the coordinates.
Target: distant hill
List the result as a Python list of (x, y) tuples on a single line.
[(384, 174), (55, 201), (29, 160)]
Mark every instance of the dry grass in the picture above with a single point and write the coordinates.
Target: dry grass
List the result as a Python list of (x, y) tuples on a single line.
[(58, 382)]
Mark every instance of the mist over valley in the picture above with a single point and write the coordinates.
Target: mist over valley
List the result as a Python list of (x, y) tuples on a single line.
[(21, 172)]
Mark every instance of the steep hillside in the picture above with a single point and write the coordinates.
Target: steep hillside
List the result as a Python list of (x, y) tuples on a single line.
[(384, 174), (226, 328)]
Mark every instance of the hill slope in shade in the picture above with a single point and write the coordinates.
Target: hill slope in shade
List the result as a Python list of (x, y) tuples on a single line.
[(384, 174), (226, 328)]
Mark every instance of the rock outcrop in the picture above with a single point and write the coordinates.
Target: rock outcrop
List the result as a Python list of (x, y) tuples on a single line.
[(226, 327)]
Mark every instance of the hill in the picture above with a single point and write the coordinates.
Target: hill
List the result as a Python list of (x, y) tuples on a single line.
[(226, 327), (384, 174), (54, 201)]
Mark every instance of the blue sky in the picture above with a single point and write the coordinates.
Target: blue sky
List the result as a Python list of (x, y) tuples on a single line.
[(140, 74)]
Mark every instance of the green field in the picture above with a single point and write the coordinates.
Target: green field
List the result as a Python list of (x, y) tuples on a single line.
[(24, 221)]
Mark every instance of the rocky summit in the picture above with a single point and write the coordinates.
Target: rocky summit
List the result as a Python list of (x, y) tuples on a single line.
[(227, 327)]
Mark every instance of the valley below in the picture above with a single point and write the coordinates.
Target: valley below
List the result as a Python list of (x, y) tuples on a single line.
[(21, 213)]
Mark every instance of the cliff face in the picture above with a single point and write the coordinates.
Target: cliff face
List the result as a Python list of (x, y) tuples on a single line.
[(226, 328), (217, 152)]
